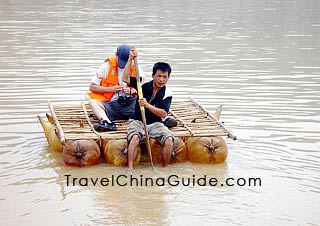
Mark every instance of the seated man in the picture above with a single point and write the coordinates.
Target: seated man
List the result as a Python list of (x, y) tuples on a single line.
[(157, 100), (110, 98)]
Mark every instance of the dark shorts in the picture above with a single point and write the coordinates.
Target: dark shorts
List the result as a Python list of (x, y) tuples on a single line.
[(117, 111)]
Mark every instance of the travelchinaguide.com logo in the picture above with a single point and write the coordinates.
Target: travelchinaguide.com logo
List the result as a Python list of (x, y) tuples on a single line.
[(171, 180)]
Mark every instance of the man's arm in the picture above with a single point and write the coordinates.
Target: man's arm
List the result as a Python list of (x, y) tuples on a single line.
[(157, 111), (161, 112), (101, 89), (126, 71), (95, 85)]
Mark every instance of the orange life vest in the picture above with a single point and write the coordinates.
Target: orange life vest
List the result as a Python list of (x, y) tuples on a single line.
[(110, 80)]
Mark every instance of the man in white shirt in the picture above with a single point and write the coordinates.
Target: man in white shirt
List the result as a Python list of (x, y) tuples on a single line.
[(110, 98)]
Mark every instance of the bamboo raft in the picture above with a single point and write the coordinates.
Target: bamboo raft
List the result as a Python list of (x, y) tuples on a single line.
[(75, 122)]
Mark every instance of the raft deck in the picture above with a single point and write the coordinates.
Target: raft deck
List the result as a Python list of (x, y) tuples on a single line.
[(75, 122)]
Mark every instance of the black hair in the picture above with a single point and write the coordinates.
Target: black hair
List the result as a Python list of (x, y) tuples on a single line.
[(162, 66)]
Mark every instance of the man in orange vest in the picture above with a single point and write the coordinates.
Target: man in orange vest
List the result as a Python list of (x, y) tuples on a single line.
[(110, 98)]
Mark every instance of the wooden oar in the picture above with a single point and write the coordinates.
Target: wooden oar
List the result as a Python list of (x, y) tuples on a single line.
[(143, 114)]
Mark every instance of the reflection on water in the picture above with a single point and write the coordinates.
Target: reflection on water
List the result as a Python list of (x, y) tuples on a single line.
[(259, 59)]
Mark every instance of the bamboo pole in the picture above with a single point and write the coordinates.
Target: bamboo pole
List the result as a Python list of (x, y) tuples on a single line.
[(88, 120), (57, 124), (143, 114)]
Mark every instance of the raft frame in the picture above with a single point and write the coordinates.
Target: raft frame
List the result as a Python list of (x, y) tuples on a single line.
[(74, 122)]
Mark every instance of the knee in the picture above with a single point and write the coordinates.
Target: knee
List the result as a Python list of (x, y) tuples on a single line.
[(135, 140), (169, 141), (92, 102)]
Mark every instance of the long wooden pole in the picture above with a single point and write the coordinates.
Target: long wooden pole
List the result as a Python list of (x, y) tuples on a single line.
[(57, 124), (142, 109)]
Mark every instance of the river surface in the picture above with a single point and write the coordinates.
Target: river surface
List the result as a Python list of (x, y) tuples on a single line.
[(259, 59)]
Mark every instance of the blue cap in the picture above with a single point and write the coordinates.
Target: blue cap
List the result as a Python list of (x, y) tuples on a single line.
[(123, 55)]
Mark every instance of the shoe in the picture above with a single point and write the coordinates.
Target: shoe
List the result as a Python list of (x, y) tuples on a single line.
[(103, 125), (170, 122)]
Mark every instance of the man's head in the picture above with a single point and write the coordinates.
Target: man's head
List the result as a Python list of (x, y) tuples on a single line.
[(160, 73), (122, 55)]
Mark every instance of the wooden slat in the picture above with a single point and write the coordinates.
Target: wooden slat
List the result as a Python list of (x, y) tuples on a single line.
[(182, 122)]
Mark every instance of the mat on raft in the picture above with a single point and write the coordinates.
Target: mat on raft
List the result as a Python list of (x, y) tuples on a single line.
[(74, 122)]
